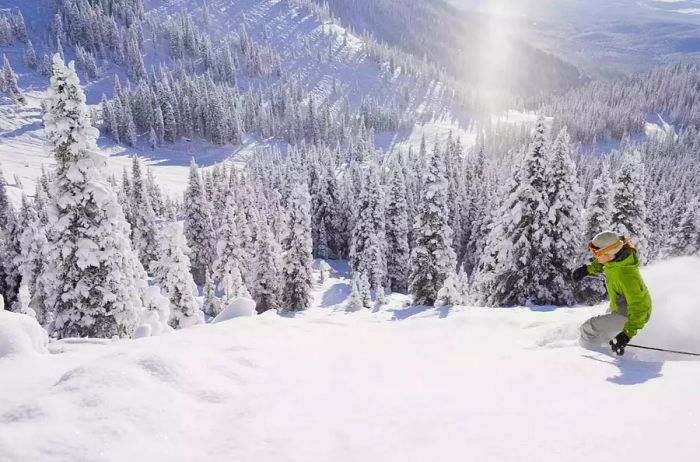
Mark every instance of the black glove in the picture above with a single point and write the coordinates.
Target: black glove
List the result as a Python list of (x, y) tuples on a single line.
[(619, 343), (579, 273)]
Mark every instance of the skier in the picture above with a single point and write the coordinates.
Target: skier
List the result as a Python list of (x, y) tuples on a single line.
[(630, 302)]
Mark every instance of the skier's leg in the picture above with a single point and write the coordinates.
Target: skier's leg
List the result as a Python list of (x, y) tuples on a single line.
[(600, 329)]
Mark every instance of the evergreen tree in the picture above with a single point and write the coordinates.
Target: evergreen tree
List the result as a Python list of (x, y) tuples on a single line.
[(212, 304), (324, 271), (143, 232), (20, 29), (30, 261), (158, 124), (8, 81), (30, 55), (10, 250), (198, 225), (515, 269), (172, 273), (564, 225), (169, 123), (129, 135), (629, 216), (155, 193), (6, 213), (598, 216), (368, 247), (322, 250), (599, 207), (267, 270), (229, 253), (296, 268), (90, 272), (476, 211), (455, 290), (360, 297), (686, 238), (152, 139), (398, 252), (432, 258)]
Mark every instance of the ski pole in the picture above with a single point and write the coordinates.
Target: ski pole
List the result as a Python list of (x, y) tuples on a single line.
[(662, 349)]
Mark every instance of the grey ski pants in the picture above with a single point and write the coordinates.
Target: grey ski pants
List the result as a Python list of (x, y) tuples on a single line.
[(600, 329)]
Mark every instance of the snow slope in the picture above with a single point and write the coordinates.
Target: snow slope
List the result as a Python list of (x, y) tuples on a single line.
[(308, 51), (398, 384)]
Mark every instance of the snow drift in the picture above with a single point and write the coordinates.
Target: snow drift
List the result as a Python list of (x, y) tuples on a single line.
[(20, 335), (239, 307)]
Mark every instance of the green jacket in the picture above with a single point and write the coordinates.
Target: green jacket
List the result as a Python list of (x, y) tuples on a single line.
[(629, 295)]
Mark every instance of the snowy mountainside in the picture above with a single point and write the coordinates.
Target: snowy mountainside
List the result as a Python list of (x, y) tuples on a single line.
[(398, 384), (604, 38), (471, 46), (328, 63), (310, 49)]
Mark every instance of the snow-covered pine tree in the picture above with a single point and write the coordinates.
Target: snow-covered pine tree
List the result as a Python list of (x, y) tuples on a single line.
[(597, 217), (368, 246), (8, 81), (129, 134), (212, 304), (685, 240), (514, 270), (455, 290), (325, 204), (172, 273), (6, 212), (233, 286), (599, 207), (432, 257), (89, 272), (226, 268), (321, 247), (10, 250), (354, 301), (29, 262), (564, 226), (296, 269), (360, 296), (198, 225), (30, 55), (398, 252), (324, 271), (267, 270), (155, 194), (629, 203), (144, 232), (476, 209)]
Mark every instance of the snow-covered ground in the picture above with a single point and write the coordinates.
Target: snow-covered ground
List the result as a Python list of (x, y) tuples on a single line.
[(397, 384)]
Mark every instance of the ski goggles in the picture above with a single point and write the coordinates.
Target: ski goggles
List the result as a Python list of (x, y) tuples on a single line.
[(596, 252)]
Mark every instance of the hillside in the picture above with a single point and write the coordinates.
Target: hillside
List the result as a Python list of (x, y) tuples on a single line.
[(397, 384), (252, 230), (278, 49), (475, 48)]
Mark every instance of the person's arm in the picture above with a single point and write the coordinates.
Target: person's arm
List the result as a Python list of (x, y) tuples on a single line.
[(594, 267), (638, 305)]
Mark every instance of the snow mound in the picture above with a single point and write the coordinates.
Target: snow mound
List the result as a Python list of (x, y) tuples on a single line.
[(21, 335), (675, 316), (239, 307)]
